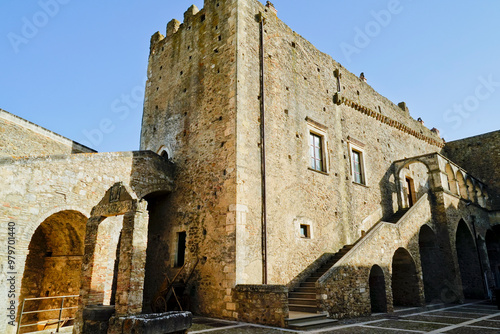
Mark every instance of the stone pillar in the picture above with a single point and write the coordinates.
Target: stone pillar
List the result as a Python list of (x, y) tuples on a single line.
[(87, 269), (132, 263)]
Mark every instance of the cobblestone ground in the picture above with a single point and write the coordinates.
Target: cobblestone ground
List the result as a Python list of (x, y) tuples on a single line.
[(471, 317)]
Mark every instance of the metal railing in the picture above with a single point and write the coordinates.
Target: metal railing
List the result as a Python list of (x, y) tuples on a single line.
[(60, 309)]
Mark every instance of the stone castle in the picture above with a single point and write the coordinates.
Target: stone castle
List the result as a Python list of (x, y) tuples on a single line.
[(270, 181)]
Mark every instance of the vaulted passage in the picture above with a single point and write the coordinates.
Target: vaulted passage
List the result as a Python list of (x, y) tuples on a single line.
[(378, 296), (53, 264), (493, 247), (432, 264), (404, 279), (160, 254), (468, 262)]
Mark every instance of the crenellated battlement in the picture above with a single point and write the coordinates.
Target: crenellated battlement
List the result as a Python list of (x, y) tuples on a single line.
[(192, 17)]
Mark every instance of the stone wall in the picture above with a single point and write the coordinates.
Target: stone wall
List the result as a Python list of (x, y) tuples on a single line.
[(480, 155), (37, 190), (300, 88), (19, 137), (189, 113), (262, 304)]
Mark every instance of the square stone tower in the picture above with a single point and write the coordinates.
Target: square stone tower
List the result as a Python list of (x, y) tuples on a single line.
[(233, 84)]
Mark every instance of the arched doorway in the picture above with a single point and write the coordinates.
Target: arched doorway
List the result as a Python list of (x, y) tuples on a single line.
[(431, 261), (468, 262), (378, 298), (405, 290), (53, 264), (414, 180)]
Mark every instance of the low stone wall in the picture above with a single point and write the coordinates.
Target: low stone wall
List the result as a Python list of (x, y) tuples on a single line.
[(262, 304)]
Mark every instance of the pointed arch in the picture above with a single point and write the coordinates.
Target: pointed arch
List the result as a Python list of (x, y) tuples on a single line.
[(470, 270)]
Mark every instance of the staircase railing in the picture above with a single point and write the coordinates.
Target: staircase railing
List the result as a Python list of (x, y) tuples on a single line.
[(45, 322)]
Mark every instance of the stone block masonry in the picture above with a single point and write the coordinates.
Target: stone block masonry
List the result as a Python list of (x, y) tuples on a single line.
[(19, 137)]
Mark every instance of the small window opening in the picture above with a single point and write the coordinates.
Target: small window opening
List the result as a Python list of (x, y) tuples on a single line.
[(220, 37), (293, 44), (164, 154), (305, 231), (202, 18), (181, 249)]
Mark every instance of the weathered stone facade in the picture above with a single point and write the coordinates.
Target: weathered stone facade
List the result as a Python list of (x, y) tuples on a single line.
[(343, 166)]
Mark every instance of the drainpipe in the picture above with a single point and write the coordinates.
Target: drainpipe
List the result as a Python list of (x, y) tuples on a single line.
[(263, 152)]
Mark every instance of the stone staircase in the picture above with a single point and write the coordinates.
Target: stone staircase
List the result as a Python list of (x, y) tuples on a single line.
[(397, 216), (302, 299)]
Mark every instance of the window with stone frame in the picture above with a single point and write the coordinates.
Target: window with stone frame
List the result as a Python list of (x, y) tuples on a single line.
[(317, 146), (316, 152), (357, 161)]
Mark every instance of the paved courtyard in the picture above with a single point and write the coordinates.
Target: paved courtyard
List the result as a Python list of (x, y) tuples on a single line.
[(471, 317)]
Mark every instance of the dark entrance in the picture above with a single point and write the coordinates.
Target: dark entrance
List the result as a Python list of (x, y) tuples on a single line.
[(432, 265), (378, 296), (468, 261), (404, 279)]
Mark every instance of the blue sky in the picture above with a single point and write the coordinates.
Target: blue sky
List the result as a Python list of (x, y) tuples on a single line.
[(79, 67)]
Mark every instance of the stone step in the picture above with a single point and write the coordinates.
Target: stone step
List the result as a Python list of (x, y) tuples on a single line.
[(302, 289), (303, 308), (311, 279), (308, 284), (308, 324), (302, 301), (303, 295), (305, 317)]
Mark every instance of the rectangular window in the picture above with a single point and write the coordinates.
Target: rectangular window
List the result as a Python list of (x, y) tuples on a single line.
[(181, 249), (357, 167), (304, 231), (357, 161), (316, 149), (318, 158)]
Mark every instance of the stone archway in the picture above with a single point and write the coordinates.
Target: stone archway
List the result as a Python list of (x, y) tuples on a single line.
[(414, 179), (468, 261), (378, 297), (405, 287), (431, 262), (53, 264), (452, 182)]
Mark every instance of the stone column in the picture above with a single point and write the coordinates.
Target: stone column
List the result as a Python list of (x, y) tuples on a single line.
[(87, 269), (131, 268)]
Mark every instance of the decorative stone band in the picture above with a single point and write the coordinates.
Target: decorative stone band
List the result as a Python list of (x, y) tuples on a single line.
[(384, 119)]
